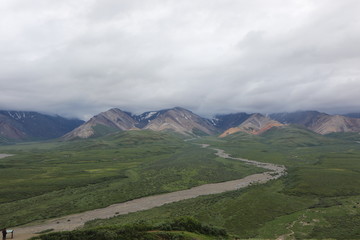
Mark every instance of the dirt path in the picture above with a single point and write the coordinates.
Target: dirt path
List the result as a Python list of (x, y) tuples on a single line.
[(74, 221), (2, 155)]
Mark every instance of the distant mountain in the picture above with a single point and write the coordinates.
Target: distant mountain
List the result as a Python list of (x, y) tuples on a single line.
[(103, 123), (295, 136), (256, 124), (10, 129), (352, 115), (176, 119), (24, 125), (226, 121), (181, 121), (321, 123)]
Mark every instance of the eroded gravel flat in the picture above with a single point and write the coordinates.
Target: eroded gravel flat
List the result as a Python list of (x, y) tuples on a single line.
[(74, 221), (2, 155)]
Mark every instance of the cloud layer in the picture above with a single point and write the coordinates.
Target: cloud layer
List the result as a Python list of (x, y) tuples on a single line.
[(77, 58)]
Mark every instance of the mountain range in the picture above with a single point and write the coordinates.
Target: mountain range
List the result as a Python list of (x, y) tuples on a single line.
[(17, 125), (255, 124), (177, 120), (321, 123), (185, 122), (24, 125)]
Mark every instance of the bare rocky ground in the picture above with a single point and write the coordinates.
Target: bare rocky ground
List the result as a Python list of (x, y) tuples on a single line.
[(74, 221), (4, 155)]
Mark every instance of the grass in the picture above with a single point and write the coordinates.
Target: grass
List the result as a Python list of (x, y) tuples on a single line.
[(239, 212), (102, 130), (181, 228), (57, 178), (319, 197), (328, 219), (320, 190)]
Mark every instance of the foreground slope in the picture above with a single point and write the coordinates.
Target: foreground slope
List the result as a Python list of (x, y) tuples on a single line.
[(180, 228)]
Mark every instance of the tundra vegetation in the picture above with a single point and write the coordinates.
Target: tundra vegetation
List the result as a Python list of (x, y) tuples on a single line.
[(318, 198), (58, 178), (184, 228)]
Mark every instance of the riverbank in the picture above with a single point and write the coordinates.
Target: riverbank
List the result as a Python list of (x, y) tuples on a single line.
[(74, 221)]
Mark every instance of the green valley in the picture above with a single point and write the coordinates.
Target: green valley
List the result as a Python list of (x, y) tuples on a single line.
[(59, 178), (318, 198), (320, 191), (180, 120)]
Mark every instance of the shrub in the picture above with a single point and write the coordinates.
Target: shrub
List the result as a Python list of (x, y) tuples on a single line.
[(192, 225)]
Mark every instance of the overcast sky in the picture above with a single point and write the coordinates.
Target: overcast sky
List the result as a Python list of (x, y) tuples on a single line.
[(78, 58)]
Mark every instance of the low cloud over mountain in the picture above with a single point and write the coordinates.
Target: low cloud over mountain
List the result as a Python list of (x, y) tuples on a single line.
[(79, 58)]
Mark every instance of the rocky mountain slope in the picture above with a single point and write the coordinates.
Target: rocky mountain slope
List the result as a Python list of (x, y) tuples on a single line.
[(17, 125), (255, 124), (23, 125), (181, 121), (176, 119), (144, 118), (105, 122), (321, 123), (336, 123), (226, 121)]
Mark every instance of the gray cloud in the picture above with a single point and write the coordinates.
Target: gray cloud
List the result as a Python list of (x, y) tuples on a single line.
[(77, 58)]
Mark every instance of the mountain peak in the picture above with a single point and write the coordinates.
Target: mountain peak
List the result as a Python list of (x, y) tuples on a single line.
[(21, 125), (176, 119), (182, 121), (180, 109), (255, 124), (318, 122), (109, 121), (226, 121)]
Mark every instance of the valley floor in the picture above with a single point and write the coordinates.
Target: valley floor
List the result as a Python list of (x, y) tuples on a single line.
[(74, 221)]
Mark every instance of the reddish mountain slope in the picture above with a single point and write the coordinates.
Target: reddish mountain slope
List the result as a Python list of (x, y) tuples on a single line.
[(255, 124)]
